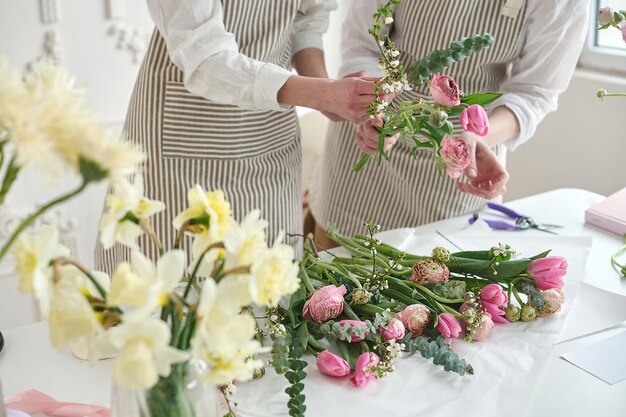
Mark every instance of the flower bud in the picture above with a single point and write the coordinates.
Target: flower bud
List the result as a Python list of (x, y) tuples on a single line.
[(512, 313), (528, 313), (605, 16), (361, 296), (553, 299), (441, 254), (438, 118), (469, 297), (429, 271), (415, 318), (326, 303), (601, 93)]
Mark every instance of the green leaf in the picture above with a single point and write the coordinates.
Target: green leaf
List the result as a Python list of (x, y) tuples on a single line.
[(482, 99)]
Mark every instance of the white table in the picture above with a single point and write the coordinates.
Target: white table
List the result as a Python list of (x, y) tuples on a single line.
[(29, 361)]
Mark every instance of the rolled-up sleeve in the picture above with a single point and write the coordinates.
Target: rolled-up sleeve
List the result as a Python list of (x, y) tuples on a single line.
[(198, 43), (360, 52), (310, 24), (554, 34)]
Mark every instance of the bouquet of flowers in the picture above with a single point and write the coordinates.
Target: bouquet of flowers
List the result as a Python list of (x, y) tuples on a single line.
[(167, 322), (425, 124), (358, 313)]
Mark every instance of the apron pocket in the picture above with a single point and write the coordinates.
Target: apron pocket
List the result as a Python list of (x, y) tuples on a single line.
[(196, 128)]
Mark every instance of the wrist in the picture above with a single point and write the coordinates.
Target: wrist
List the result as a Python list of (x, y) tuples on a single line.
[(306, 92)]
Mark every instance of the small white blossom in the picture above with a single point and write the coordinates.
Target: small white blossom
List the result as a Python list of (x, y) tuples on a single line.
[(388, 20), (394, 63)]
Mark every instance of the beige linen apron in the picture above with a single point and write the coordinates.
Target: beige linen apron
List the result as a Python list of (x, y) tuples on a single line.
[(405, 192), (253, 156)]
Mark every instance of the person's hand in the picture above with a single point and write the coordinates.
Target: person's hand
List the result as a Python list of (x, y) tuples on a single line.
[(367, 136), (487, 178), (349, 98)]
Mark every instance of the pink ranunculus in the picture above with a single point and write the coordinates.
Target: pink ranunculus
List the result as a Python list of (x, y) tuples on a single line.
[(455, 155), (394, 330), (605, 16), (448, 325), (483, 329), (445, 91), (415, 318), (548, 272), (474, 119), (353, 324), (326, 303), (553, 300), (363, 374), (493, 298), (332, 365), (429, 271)]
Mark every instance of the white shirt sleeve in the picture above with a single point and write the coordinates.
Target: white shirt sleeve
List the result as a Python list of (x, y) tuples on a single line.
[(554, 34), (198, 43), (310, 24), (359, 49)]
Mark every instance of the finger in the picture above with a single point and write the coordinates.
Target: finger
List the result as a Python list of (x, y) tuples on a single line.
[(388, 97), (390, 141), (363, 87), (487, 194), (369, 131), (471, 171), (360, 142), (358, 74)]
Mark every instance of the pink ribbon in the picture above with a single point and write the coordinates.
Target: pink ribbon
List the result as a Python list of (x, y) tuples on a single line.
[(32, 401)]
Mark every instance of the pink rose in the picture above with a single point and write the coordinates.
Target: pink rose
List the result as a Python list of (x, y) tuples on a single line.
[(548, 272), (605, 16), (493, 298), (394, 330), (553, 300), (448, 325), (353, 324), (483, 329), (445, 91), (332, 365), (455, 155), (415, 318), (429, 271), (325, 304), (363, 373), (474, 119)]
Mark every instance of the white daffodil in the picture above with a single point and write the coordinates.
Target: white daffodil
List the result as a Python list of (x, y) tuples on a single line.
[(245, 242), (226, 343), (71, 316), (144, 352), (274, 275), (82, 283), (143, 286), (127, 201), (226, 297), (32, 254)]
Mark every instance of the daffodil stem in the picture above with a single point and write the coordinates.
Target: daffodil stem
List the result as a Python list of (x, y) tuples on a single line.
[(192, 278), (147, 228), (85, 271), (30, 219), (10, 176)]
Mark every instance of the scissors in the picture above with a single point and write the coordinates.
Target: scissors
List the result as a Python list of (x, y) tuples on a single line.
[(521, 222)]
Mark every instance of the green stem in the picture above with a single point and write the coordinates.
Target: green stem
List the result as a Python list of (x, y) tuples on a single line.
[(82, 269), (433, 295), (517, 297), (30, 219), (304, 277), (192, 278), (349, 312), (315, 345), (9, 178)]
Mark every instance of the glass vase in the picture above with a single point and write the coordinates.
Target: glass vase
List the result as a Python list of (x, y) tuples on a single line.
[(181, 394)]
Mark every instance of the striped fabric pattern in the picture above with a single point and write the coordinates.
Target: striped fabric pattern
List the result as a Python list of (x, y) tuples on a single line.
[(405, 192), (253, 156)]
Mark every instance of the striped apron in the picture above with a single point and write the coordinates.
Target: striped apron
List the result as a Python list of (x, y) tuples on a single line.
[(406, 192), (254, 156)]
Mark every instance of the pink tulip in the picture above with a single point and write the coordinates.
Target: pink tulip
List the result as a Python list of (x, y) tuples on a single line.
[(483, 329), (415, 318), (445, 91), (474, 119), (429, 271), (493, 298), (332, 365), (363, 373), (553, 300), (394, 330), (353, 324), (325, 304), (455, 155), (548, 272), (448, 325)]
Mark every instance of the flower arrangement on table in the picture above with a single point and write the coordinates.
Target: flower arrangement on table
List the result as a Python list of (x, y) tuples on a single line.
[(427, 125), (164, 324), (608, 18), (358, 313)]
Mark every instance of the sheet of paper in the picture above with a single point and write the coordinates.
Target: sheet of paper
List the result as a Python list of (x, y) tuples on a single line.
[(604, 359), (594, 310)]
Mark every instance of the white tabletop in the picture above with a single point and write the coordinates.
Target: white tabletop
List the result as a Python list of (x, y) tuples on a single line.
[(29, 361)]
